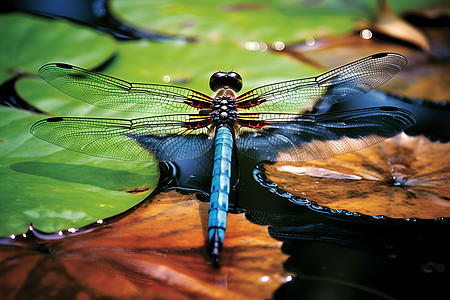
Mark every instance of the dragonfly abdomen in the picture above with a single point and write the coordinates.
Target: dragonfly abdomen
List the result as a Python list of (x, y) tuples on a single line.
[(220, 190)]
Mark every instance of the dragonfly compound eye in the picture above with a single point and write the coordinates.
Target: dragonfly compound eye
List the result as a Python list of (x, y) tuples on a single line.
[(230, 80)]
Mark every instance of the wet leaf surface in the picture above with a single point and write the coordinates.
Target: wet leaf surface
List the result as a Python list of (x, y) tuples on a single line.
[(156, 251), (403, 177)]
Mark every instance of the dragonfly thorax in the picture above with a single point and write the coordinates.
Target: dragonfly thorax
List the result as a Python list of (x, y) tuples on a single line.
[(224, 109)]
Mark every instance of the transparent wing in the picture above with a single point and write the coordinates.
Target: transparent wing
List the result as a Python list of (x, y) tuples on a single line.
[(112, 93), (169, 138), (344, 83), (290, 137)]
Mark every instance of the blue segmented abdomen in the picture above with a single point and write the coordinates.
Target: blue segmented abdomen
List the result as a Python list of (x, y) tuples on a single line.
[(220, 190)]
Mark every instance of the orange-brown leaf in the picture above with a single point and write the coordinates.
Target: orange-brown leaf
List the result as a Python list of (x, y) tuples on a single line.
[(157, 251), (425, 77), (390, 24), (403, 177)]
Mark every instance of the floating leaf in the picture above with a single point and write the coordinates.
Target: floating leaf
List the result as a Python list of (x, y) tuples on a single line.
[(263, 21), (32, 42), (191, 65), (44, 184), (403, 177), (389, 23), (425, 77), (57, 189), (156, 251), (96, 15)]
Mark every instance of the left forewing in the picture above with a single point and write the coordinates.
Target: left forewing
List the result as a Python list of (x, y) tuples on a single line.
[(169, 138)]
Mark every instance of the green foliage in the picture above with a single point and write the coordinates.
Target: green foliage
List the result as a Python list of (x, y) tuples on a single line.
[(191, 65), (241, 21), (29, 42), (41, 183), (55, 188)]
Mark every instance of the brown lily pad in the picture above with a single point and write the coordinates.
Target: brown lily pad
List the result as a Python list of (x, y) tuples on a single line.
[(403, 177), (157, 251), (386, 21), (427, 49)]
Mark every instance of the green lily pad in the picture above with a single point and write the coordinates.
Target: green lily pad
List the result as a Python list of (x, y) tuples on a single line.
[(56, 188), (191, 65), (29, 42), (240, 20)]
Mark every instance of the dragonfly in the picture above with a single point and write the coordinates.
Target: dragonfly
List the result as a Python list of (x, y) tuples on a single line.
[(274, 122)]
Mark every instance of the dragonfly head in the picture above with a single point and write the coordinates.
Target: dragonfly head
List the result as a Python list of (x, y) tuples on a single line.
[(227, 80)]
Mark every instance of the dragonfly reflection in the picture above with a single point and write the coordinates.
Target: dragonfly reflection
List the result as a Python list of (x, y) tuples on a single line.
[(272, 122)]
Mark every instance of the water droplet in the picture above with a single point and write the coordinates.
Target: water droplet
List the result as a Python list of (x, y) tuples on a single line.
[(262, 46), (252, 46), (278, 45), (72, 230), (264, 278), (60, 233), (166, 78), (310, 41), (12, 236), (100, 221), (366, 34)]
